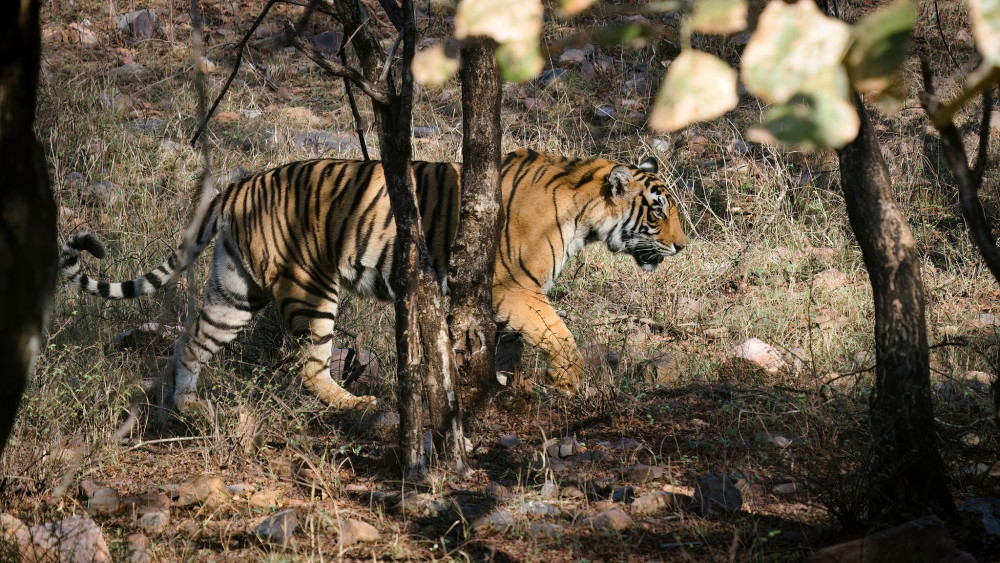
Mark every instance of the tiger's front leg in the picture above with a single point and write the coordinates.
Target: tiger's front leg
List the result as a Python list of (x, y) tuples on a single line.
[(530, 313)]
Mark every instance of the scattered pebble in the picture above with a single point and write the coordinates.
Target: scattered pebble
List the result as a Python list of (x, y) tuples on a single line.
[(208, 490), (278, 528)]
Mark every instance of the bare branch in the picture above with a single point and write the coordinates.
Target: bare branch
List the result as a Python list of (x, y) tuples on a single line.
[(335, 68), (232, 75), (984, 139), (352, 102)]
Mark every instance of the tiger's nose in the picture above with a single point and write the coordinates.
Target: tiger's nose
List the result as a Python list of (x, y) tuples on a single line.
[(679, 246)]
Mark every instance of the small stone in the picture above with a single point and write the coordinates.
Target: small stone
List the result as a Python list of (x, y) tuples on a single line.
[(662, 145), (714, 493), (425, 131), (499, 521), (626, 444), (788, 488), (716, 333), (663, 371), (420, 505), (100, 193), (641, 473), (551, 76), (537, 508), (88, 488), (154, 521), (278, 528), (604, 112), (385, 419), (82, 34), (355, 531), (142, 26), (739, 147), (659, 501), (328, 41), (497, 490), (208, 490), (545, 530), (759, 353), (510, 441), (139, 549), (623, 494), (130, 70), (265, 498), (104, 501), (592, 456), (588, 71), (613, 519), (549, 489), (144, 125), (563, 448)]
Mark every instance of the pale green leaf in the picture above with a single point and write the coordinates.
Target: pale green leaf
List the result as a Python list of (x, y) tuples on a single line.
[(569, 8), (720, 17), (795, 49), (520, 60), (698, 87), (503, 20), (634, 34), (985, 16), (432, 66), (809, 121), (879, 48)]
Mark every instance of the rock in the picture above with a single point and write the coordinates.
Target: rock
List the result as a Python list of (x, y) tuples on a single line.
[(540, 463), (355, 531), (208, 490), (154, 521), (613, 519), (130, 70), (104, 501), (716, 333), (592, 456), (102, 192), (344, 362), (715, 493), (140, 549), (641, 473), (829, 280), (278, 528), (266, 498), (420, 505), (564, 448), (626, 444), (984, 512), (88, 488), (499, 521), (624, 494), (127, 22), (636, 85), (549, 489), (662, 145), (659, 501), (925, 540), (510, 441), (81, 33), (551, 75), (739, 147), (316, 141), (497, 490), (545, 530), (588, 71), (385, 418), (604, 112), (573, 56), (788, 488), (536, 508), (425, 131), (328, 41), (662, 371), (760, 354), (76, 539)]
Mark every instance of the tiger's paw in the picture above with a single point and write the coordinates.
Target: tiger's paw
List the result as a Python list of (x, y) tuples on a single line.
[(363, 402), (189, 404)]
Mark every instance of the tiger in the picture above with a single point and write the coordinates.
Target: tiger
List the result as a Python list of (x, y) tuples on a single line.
[(303, 233)]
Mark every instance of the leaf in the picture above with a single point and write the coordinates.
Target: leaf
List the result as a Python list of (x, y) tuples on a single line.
[(520, 60), (568, 8), (809, 121), (891, 98), (432, 66), (985, 15), (698, 87), (720, 17), (879, 48), (503, 20), (795, 49)]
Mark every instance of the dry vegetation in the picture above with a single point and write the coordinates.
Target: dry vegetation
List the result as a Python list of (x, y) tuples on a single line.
[(771, 256)]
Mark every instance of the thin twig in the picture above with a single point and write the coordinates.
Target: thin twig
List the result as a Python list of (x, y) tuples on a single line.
[(984, 139), (335, 68), (947, 46), (352, 102), (232, 75)]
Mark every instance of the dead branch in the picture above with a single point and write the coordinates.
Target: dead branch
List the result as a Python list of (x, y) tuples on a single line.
[(335, 68), (352, 102)]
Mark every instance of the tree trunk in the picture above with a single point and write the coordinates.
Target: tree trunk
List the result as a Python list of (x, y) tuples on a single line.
[(907, 474), (28, 249), (473, 331)]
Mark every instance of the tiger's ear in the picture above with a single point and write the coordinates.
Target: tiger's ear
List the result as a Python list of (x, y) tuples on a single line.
[(649, 165), (620, 179)]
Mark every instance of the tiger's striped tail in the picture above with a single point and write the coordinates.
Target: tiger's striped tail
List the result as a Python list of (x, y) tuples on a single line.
[(69, 262)]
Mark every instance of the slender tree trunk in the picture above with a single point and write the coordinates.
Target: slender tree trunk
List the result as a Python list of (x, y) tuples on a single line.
[(28, 249), (907, 473), (473, 330)]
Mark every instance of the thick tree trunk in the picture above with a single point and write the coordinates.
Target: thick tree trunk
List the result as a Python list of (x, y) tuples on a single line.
[(473, 331), (907, 474), (28, 249)]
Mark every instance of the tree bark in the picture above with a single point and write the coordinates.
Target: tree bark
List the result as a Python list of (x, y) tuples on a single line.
[(28, 248), (473, 331), (906, 474)]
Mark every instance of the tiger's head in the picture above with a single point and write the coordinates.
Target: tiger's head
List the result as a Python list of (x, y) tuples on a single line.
[(649, 226)]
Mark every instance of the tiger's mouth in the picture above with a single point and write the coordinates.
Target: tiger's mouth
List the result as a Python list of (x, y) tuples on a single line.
[(648, 259)]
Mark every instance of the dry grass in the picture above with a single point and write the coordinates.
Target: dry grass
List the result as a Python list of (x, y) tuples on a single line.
[(766, 227)]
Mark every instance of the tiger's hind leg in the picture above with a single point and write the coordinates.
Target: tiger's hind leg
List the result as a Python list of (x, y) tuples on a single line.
[(310, 319), (231, 301), (530, 313)]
